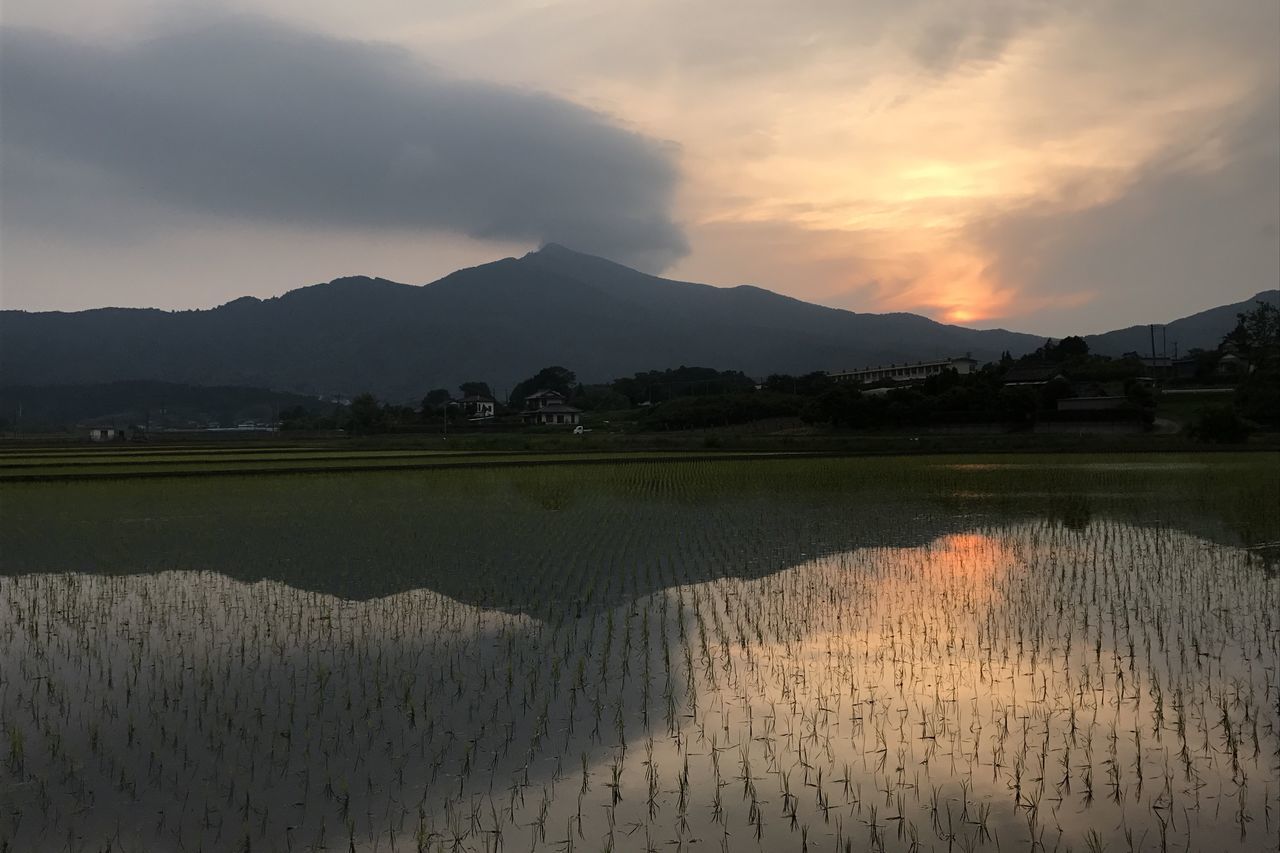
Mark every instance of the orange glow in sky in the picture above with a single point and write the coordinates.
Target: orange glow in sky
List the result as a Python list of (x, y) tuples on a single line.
[(995, 162)]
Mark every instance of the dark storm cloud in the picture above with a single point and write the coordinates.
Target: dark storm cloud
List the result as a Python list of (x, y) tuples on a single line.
[(244, 118)]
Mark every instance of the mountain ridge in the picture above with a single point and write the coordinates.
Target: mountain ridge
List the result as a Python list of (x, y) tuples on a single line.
[(1196, 328), (498, 322)]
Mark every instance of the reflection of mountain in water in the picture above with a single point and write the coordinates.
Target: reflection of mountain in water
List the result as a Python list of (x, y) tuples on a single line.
[(215, 714), (589, 537)]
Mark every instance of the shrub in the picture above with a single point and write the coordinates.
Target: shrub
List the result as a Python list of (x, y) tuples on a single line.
[(721, 410), (1258, 397), (1221, 425)]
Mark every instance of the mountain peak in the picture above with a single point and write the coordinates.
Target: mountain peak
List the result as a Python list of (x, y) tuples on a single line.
[(551, 250), (584, 266)]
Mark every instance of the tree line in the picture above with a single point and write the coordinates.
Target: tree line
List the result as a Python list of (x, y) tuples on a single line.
[(702, 397)]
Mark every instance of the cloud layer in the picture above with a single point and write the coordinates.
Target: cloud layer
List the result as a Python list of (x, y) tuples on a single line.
[(246, 119), (1060, 166)]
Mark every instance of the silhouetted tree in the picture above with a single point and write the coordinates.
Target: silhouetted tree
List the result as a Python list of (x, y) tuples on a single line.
[(1072, 346), (366, 414), (1257, 333), (1220, 425), (554, 378), (434, 400), (476, 389), (654, 386), (808, 385)]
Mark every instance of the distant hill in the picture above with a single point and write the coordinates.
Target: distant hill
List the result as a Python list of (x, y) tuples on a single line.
[(499, 322), (126, 403), (1204, 330)]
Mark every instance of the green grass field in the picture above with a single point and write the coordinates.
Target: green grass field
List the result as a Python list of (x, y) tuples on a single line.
[(29, 460), (21, 468)]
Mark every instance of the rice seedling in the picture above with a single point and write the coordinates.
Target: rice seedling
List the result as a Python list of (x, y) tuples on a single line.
[(790, 655)]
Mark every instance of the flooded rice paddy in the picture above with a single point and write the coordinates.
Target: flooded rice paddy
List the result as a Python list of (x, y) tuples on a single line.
[(775, 655)]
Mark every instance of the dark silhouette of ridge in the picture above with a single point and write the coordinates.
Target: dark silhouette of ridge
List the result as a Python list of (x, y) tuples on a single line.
[(499, 322), (1203, 329)]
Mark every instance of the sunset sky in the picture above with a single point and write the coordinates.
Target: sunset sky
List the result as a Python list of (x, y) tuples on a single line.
[(1053, 167)]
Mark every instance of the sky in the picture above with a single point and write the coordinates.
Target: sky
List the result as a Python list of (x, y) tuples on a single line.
[(1045, 166)]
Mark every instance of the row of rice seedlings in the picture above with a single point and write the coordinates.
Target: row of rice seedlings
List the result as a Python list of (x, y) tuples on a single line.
[(1030, 685)]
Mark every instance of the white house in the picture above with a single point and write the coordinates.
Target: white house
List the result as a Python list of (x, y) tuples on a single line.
[(478, 406), (549, 407), (104, 434)]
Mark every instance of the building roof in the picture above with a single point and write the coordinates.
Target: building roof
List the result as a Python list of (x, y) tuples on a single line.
[(1029, 375), (937, 362), (544, 393), (478, 398), (555, 409)]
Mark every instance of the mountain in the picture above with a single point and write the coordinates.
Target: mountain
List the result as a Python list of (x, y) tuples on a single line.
[(1203, 330), (499, 322)]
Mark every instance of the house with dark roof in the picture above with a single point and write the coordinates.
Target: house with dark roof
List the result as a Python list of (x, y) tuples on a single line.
[(1032, 375), (549, 408), (476, 406)]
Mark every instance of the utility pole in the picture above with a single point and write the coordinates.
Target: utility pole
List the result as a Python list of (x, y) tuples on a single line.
[(1151, 327)]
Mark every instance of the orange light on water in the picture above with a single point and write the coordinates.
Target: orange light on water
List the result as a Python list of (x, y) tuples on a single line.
[(974, 559)]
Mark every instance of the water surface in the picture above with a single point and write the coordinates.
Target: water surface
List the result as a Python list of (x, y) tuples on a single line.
[(826, 655)]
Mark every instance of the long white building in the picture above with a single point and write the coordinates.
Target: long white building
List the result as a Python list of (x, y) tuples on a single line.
[(906, 372)]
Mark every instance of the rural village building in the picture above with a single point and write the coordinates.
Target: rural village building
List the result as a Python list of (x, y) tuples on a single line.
[(1097, 403), (104, 434), (478, 406), (906, 372), (549, 407), (1028, 375), (1232, 365), (1162, 366)]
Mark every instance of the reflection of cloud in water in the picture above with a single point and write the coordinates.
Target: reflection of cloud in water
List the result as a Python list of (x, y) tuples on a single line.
[(998, 685), (1039, 681), (198, 707)]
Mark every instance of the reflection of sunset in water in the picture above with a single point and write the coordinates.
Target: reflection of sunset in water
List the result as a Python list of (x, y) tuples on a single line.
[(975, 560), (1021, 687), (1017, 685)]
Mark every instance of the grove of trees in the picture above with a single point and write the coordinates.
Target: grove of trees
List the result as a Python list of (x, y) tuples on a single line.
[(698, 397)]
